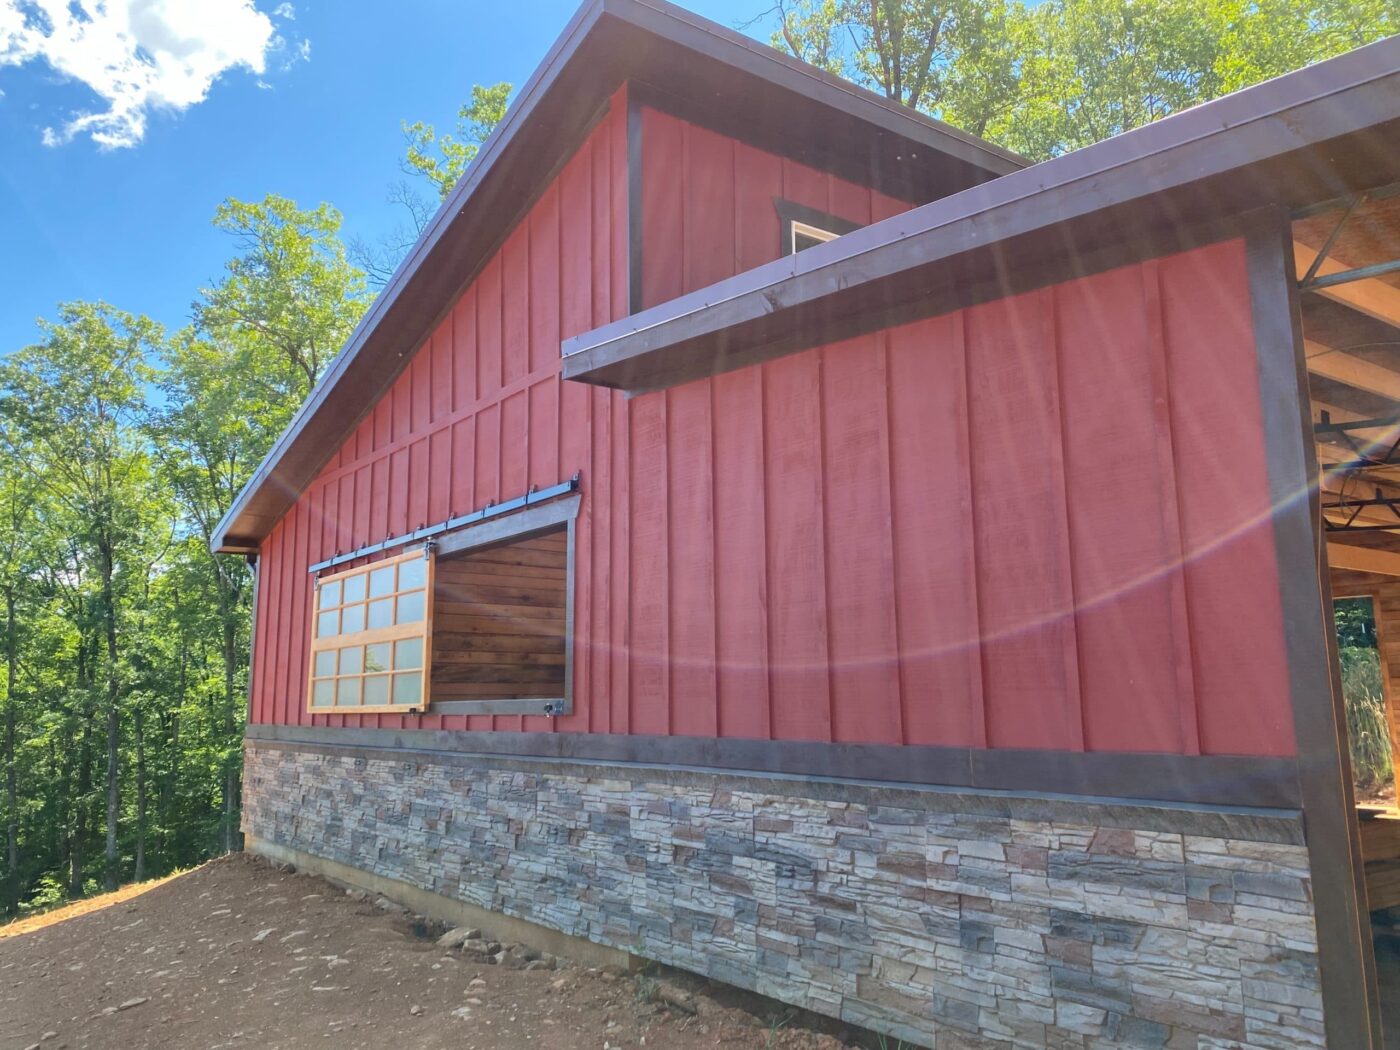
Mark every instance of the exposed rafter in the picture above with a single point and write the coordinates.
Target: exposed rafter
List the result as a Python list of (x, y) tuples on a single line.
[(1354, 371), (1370, 295), (1363, 559)]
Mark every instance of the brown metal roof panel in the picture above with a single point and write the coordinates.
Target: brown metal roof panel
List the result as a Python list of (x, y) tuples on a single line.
[(1308, 136)]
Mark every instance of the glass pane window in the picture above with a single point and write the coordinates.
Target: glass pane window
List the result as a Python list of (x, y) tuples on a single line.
[(411, 607), (413, 574), (352, 619), (354, 588), (376, 690), (383, 610), (381, 614), (408, 654), (377, 657), (347, 692), (408, 688), (381, 582)]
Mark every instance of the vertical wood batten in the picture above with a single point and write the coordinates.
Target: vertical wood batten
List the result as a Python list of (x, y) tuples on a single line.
[(863, 633), (1169, 474), (1073, 697), (932, 517), (308, 525), (740, 552), (901, 705), (274, 570), (596, 641), (690, 584), (800, 658), (620, 636), (650, 644)]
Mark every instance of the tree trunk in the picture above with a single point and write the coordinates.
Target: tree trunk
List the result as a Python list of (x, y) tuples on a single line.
[(231, 770), (78, 851), (11, 776), (169, 781), (114, 725), (139, 722), (109, 877)]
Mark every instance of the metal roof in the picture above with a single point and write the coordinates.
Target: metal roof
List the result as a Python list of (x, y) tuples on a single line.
[(1309, 136)]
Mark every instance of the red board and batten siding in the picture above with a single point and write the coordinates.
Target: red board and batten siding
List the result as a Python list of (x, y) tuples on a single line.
[(707, 204), (1038, 522), (480, 414)]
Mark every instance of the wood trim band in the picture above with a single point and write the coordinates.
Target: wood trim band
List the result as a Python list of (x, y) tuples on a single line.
[(1256, 783), (1350, 999)]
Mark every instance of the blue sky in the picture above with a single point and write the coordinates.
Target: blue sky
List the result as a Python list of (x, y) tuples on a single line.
[(320, 122)]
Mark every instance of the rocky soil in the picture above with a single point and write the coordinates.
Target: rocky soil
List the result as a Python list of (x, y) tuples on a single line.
[(239, 953)]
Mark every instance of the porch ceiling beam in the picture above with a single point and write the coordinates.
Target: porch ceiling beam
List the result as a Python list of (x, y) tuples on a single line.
[(1342, 367), (1370, 296), (1363, 559)]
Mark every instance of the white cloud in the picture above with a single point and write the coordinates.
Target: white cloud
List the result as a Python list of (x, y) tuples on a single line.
[(135, 55), (286, 11)]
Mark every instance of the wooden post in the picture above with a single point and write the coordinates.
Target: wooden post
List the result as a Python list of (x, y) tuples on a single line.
[(1350, 998)]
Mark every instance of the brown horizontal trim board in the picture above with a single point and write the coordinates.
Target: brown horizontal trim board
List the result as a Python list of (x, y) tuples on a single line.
[(606, 44), (1270, 783), (1310, 136)]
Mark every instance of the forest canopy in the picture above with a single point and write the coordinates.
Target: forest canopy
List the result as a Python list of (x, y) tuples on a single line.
[(125, 641)]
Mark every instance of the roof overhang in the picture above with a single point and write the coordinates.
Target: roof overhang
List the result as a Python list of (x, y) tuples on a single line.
[(751, 89), (1310, 136)]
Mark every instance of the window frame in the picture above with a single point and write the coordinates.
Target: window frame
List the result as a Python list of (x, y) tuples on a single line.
[(393, 634), (794, 218), (501, 532)]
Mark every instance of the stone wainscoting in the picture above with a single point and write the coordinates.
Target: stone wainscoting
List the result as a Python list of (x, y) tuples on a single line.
[(951, 919)]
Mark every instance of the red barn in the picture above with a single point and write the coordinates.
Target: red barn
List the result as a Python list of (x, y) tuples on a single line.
[(765, 530)]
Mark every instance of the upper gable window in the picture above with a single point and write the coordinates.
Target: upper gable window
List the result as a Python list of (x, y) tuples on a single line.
[(804, 236), (803, 227)]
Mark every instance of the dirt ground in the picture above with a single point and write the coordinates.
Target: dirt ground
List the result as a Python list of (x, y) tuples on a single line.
[(239, 953)]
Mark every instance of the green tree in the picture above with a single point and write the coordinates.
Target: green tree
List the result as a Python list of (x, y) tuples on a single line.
[(926, 54), (1091, 69), (75, 398), (17, 494), (1051, 77), (1260, 39), (209, 433), (288, 301), (442, 158)]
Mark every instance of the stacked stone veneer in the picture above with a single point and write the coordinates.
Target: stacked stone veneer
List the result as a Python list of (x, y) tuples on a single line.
[(950, 919)]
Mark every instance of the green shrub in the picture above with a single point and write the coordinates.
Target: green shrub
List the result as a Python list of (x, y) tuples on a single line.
[(1367, 729)]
